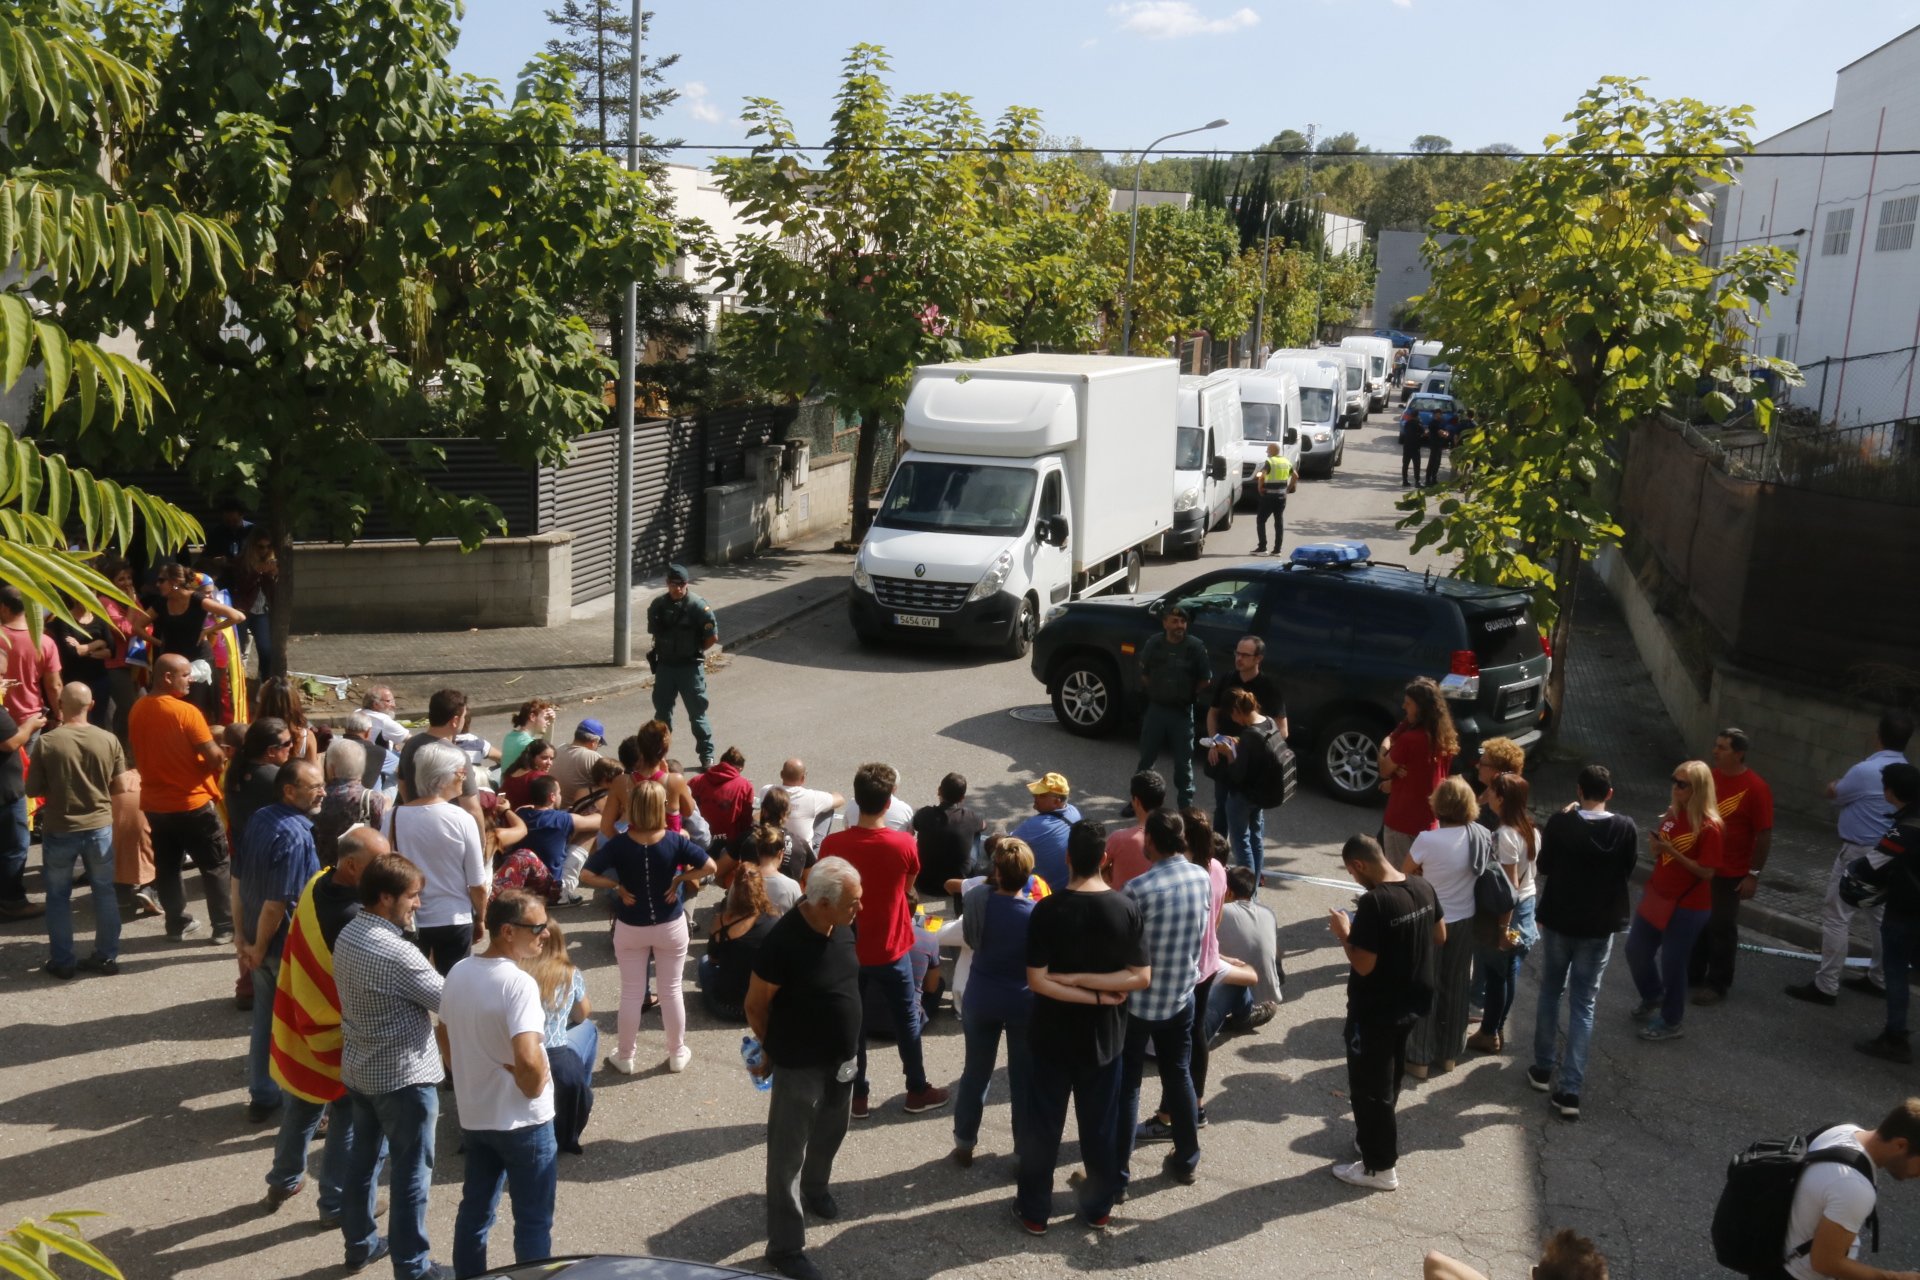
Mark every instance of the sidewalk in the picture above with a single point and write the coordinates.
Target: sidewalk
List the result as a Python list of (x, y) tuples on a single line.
[(1617, 720), (500, 668)]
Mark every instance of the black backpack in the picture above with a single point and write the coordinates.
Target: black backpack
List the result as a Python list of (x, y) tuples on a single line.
[(1272, 772), (1750, 1221)]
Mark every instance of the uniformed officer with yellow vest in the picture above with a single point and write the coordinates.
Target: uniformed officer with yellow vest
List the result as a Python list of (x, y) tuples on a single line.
[(1273, 482)]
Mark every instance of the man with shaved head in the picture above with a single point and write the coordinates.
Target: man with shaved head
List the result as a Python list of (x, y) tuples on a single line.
[(809, 812), (79, 768), (179, 762)]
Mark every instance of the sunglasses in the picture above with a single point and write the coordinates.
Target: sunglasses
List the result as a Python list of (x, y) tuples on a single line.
[(281, 744), (531, 928), (1682, 782)]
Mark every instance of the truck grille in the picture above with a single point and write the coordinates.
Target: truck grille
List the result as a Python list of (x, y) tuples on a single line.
[(912, 595)]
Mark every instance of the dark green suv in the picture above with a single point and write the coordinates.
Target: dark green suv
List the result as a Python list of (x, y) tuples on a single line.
[(1344, 636)]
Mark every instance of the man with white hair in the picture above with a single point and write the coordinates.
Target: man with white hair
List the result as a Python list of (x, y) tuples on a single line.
[(377, 706), (378, 765), (79, 768), (803, 1003)]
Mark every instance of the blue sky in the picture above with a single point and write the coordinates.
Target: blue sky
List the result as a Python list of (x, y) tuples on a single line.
[(1118, 73)]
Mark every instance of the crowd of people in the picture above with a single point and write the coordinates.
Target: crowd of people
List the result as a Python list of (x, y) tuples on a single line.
[(388, 895)]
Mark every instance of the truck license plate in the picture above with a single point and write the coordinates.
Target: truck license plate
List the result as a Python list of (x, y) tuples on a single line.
[(915, 620)]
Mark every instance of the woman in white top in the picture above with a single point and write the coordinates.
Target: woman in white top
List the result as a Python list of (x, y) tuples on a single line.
[(1446, 858), (1516, 845), (443, 840)]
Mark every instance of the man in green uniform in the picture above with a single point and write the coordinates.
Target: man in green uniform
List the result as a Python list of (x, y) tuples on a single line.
[(1273, 482), (1174, 668), (683, 630)]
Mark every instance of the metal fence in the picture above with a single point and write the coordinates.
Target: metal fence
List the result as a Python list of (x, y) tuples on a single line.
[(1863, 390), (1879, 461)]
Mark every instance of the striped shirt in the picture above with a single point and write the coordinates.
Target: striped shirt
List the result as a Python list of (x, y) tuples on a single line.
[(388, 996), (1176, 901)]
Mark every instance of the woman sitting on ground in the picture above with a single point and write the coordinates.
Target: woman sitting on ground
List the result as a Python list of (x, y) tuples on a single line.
[(573, 1041), (738, 930), (652, 743), (795, 855), (536, 761), (772, 846)]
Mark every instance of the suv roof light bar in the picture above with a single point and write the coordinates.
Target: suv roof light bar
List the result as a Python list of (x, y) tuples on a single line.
[(1330, 554)]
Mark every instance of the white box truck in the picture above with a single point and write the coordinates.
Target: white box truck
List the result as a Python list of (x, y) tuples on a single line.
[(1323, 388), (1206, 461), (1269, 414), (1379, 354), (1422, 360), (1024, 481)]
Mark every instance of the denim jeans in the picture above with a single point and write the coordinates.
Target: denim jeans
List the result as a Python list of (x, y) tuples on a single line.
[(983, 1048), (524, 1161), (1898, 936), (1247, 834), (13, 851), (404, 1118), (584, 1037), (1225, 1002), (1574, 966), (1502, 969), (57, 853), (1095, 1091), (903, 1003), (1658, 959), (1172, 1040), (298, 1119), (262, 1091)]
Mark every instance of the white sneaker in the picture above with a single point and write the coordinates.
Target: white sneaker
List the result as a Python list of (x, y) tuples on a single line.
[(1358, 1175), (625, 1066), (677, 1061)]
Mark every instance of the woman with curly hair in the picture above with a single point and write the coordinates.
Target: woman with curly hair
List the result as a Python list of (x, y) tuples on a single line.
[(1414, 759), (534, 720), (1676, 902)]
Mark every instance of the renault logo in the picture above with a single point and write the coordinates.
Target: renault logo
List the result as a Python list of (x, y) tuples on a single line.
[(919, 571)]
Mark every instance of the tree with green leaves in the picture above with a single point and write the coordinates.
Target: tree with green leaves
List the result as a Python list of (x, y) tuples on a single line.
[(28, 1249), (886, 254), (1189, 276), (1055, 287), (407, 244), (1432, 144), (594, 45), (68, 228), (1578, 301)]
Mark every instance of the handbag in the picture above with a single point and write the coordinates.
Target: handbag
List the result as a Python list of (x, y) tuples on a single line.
[(1493, 893), (1864, 885)]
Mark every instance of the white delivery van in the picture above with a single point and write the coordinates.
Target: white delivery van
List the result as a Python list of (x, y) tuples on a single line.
[(1023, 482), (1269, 414), (1323, 388), (1206, 461), (1422, 360), (1379, 354), (1354, 365)]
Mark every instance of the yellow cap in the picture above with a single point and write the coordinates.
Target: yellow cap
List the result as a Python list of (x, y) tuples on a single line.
[(1053, 784)]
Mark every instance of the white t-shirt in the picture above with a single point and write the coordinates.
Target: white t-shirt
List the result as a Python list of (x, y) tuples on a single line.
[(899, 816), (808, 813), (1445, 858), (1510, 846), (444, 842), (485, 1004), (1833, 1191), (783, 892)]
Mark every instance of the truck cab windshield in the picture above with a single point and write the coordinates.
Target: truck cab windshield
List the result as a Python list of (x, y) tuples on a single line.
[(1316, 404), (958, 497), (1261, 421), (1190, 450)]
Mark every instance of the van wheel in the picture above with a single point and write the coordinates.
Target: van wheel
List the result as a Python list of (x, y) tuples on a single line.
[(1086, 696), (1349, 755), (1130, 585), (1226, 521), (1199, 546), (1020, 640)]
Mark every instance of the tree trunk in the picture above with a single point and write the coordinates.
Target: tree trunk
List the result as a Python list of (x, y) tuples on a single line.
[(1566, 594), (863, 460), (280, 593)]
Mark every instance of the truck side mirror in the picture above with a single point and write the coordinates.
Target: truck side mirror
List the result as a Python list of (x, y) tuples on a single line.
[(1292, 437), (1219, 468), (1057, 530)]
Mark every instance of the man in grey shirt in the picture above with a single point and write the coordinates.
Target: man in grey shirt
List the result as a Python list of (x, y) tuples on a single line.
[(1248, 935)]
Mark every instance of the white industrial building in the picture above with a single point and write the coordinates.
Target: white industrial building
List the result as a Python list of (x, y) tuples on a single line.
[(1837, 190)]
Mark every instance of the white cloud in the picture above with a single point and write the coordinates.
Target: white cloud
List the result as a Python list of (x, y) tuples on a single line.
[(1403, 4), (699, 103), (1175, 19), (1090, 42)]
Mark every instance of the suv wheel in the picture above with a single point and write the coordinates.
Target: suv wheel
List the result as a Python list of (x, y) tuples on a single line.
[(1086, 696), (1350, 759)]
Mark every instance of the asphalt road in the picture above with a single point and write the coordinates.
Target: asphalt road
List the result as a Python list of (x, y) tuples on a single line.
[(126, 1095)]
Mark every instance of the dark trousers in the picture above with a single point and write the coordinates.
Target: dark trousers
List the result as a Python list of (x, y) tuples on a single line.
[(1434, 450), (1172, 1041), (194, 836), (1200, 1059), (446, 945), (1376, 1062), (1711, 963), (1272, 507), (1410, 463), (1095, 1091), (895, 986), (1899, 937), (806, 1122)]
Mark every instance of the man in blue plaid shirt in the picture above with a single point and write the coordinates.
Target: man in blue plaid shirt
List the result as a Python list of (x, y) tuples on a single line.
[(1175, 898)]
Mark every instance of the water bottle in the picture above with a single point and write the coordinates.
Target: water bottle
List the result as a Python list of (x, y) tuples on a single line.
[(754, 1056)]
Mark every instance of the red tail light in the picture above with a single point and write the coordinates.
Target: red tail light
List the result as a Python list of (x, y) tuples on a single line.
[(1464, 663), (1546, 642)]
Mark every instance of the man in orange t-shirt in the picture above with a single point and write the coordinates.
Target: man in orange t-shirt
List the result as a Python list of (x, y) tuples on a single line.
[(1127, 847), (1746, 809), (179, 763)]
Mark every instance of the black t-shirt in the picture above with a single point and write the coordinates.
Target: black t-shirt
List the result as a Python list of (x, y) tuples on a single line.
[(815, 1017), (13, 782), (78, 666), (183, 633), (1395, 922), (1080, 932), (733, 960), (945, 836), (1264, 688), (333, 905), (249, 789)]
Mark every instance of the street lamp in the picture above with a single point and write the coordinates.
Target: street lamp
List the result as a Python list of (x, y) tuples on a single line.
[(1133, 231), (1266, 255)]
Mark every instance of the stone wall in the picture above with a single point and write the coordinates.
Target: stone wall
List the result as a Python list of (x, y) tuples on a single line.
[(408, 586)]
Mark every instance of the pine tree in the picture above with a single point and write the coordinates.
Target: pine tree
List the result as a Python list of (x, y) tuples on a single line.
[(594, 44)]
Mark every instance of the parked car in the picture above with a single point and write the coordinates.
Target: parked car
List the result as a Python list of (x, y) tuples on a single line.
[(1439, 383), (1426, 406), (1344, 635)]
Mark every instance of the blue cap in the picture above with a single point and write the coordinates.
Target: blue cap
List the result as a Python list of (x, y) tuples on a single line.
[(593, 727)]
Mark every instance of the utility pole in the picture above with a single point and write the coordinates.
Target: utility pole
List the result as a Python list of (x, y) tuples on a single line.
[(1320, 238), (623, 402)]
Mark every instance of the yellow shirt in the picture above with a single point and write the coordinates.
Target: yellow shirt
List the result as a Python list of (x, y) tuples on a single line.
[(1278, 471)]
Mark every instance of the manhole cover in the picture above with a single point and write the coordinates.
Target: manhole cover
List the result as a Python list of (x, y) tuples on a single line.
[(1042, 714)]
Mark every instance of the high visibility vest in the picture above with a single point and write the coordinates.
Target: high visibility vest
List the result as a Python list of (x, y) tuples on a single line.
[(1279, 471)]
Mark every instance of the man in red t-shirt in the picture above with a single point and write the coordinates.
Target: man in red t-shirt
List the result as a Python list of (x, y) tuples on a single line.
[(33, 669), (725, 798), (887, 861), (1746, 807)]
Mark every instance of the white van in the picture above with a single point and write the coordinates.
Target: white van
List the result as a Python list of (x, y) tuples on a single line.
[(1323, 388), (1206, 459), (1269, 414), (1354, 365), (1422, 360), (1379, 354)]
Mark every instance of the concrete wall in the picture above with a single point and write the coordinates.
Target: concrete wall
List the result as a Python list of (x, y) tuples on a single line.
[(782, 512), (1803, 738), (405, 586), (1402, 271)]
